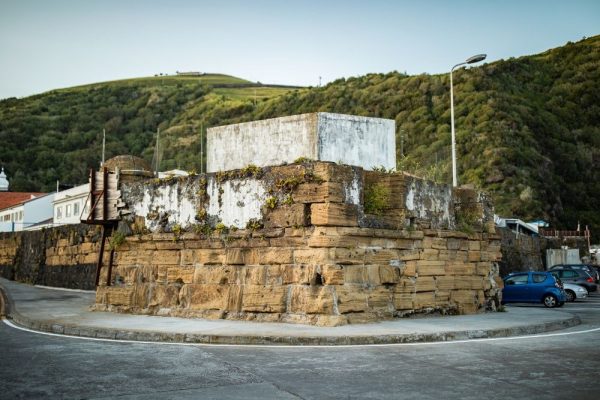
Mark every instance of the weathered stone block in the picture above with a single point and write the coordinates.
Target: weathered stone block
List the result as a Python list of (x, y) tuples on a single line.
[(424, 300), (380, 298), (275, 256), (313, 256), (204, 296), (349, 256), (332, 274), (311, 299), (298, 274), (381, 256), (333, 214), (286, 215), (351, 298), (446, 282), (252, 275), (180, 274), (202, 256), (425, 284), (215, 274), (427, 268), (164, 296), (258, 298), (318, 193), (355, 274)]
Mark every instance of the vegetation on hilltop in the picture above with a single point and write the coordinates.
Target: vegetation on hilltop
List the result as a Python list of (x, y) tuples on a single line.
[(528, 129)]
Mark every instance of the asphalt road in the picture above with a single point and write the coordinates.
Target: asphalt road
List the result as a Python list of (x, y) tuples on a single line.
[(552, 366)]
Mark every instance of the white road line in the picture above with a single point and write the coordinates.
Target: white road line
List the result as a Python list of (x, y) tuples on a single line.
[(278, 346)]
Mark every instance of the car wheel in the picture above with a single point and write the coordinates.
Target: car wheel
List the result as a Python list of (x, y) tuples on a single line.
[(550, 301), (570, 295)]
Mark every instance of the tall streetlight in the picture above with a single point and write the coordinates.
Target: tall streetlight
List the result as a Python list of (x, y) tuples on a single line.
[(470, 60)]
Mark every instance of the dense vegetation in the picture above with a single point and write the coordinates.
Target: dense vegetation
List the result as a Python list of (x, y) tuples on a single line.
[(528, 129)]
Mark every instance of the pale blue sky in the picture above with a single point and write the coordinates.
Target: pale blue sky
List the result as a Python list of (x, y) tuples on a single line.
[(48, 44)]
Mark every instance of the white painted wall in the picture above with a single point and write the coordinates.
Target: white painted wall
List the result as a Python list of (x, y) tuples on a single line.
[(74, 200), (38, 210), (360, 141), (241, 201), (353, 140), (262, 143)]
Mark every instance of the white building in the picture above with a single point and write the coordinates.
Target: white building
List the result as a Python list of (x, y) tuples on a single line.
[(69, 205), (34, 213)]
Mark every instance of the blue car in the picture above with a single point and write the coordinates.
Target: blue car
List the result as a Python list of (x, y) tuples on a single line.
[(533, 287)]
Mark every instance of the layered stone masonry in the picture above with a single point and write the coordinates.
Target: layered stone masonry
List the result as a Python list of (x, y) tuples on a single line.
[(63, 256), (327, 244)]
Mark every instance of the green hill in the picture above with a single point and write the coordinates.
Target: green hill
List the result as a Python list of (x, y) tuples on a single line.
[(528, 129)]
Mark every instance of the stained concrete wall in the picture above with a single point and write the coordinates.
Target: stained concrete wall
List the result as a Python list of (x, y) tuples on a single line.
[(345, 139)]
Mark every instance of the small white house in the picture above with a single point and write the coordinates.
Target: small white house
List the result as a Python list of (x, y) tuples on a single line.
[(69, 205)]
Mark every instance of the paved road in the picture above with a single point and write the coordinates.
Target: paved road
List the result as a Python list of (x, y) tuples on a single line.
[(549, 367)]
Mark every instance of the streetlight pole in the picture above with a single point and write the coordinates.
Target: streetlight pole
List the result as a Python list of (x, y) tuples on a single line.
[(470, 60)]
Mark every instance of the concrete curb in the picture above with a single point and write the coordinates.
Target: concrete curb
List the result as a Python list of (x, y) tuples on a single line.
[(55, 327)]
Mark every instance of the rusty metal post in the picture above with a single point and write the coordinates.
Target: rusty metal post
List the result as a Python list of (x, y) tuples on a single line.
[(100, 254), (110, 265)]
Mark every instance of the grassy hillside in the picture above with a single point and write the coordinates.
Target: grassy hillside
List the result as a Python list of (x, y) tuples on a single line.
[(528, 129)]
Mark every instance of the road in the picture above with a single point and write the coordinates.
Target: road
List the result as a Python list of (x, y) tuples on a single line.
[(551, 366)]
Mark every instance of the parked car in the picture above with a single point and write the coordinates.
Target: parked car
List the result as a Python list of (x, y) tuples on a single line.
[(574, 292), (533, 287), (587, 268), (576, 276), (595, 268)]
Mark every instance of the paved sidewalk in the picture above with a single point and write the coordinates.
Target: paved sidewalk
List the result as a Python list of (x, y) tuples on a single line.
[(67, 312)]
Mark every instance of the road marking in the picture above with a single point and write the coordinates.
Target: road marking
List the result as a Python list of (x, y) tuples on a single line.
[(271, 346)]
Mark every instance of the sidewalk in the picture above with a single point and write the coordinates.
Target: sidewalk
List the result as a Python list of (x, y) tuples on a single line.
[(67, 312)]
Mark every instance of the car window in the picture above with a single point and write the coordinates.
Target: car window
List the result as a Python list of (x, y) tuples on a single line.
[(539, 278), (517, 280), (569, 274)]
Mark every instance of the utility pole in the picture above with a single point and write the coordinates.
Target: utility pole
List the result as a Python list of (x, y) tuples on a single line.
[(319, 81), (156, 151), (402, 142), (103, 145), (201, 149)]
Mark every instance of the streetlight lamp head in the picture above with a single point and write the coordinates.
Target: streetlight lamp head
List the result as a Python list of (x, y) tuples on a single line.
[(476, 58)]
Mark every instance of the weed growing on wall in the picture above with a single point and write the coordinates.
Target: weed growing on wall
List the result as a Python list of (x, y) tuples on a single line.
[(377, 198)]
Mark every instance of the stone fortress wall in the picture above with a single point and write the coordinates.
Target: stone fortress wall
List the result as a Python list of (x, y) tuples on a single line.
[(310, 242)]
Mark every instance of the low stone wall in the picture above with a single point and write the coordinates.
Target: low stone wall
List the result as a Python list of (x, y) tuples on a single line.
[(61, 257), (327, 244)]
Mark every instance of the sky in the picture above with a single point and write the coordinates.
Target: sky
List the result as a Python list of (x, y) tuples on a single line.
[(50, 44)]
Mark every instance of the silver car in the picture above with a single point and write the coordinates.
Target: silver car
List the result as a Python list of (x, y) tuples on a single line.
[(574, 292)]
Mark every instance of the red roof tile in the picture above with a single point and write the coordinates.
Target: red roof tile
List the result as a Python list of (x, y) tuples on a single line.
[(9, 199)]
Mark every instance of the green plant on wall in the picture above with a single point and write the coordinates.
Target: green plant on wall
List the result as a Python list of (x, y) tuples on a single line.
[(116, 240), (271, 202), (177, 230), (377, 198)]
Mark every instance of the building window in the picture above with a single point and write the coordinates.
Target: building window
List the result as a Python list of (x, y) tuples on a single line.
[(7, 217), (76, 209), (20, 215), (58, 212), (68, 211)]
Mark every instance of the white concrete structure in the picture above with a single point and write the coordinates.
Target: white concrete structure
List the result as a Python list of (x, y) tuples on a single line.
[(347, 139), (69, 205), (29, 213)]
